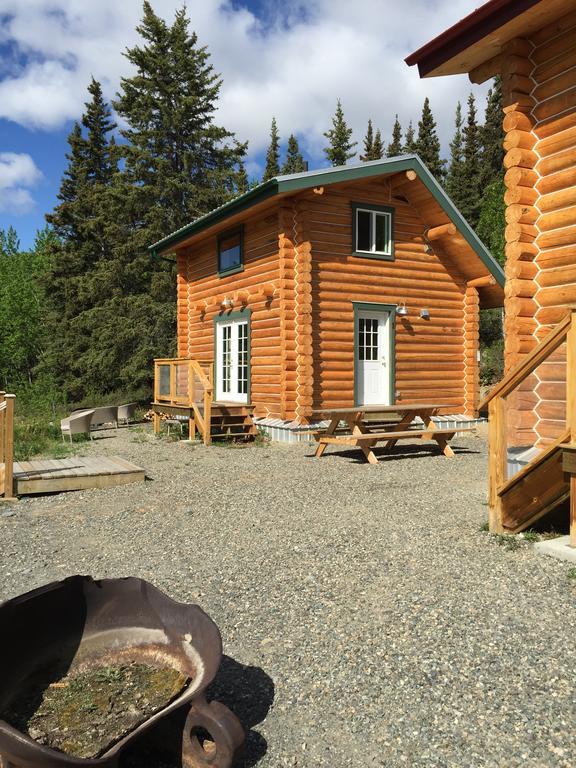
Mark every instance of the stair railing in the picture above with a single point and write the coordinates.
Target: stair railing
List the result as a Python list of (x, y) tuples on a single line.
[(186, 383), (496, 402), (6, 445)]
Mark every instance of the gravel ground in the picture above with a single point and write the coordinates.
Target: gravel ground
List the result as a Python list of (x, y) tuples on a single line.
[(367, 619)]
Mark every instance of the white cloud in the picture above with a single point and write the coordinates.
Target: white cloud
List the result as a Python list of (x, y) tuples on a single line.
[(293, 64), (18, 172)]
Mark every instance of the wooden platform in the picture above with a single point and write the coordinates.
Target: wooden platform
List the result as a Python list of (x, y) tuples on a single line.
[(73, 474)]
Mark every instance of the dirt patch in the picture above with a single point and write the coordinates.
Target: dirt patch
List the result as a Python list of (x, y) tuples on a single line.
[(85, 713)]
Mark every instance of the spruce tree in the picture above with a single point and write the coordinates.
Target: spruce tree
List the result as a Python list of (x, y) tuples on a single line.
[(472, 199), (378, 146), (242, 182), (294, 162), (428, 143), (340, 148), (395, 146), (272, 168), (454, 177), (492, 137), (410, 140), (368, 143)]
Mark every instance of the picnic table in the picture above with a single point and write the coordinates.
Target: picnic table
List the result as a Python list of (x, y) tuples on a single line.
[(361, 433)]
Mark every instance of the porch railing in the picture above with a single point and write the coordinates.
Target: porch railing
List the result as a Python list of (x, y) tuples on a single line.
[(186, 383), (532, 414), (6, 445)]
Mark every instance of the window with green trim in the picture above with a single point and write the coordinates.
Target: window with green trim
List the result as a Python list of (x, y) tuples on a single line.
[(373, 231), (230, 252)]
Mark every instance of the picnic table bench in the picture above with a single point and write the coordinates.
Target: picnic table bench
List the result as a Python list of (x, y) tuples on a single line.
[(360, 433)]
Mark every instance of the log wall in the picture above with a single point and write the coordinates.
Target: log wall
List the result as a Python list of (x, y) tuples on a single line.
[(433, 357), (201, 292), (539, 89)]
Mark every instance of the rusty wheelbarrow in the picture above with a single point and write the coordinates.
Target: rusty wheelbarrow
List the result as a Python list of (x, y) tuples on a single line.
[(81, 622)]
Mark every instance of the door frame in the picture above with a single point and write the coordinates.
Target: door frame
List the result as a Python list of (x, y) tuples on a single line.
[(225, 317), (360, 306)]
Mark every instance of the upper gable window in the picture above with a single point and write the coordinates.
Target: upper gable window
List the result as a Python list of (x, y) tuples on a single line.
[(373, 231), (230, 252)]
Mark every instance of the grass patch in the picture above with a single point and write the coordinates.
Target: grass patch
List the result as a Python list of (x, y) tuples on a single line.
[(508, 541), (36, 435), (571, 573), (484, 527)]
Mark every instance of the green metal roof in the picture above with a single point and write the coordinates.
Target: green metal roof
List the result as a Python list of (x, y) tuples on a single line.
[(297, 182)]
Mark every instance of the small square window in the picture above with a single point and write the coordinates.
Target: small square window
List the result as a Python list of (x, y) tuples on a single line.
[(230, 252), (373, 231)]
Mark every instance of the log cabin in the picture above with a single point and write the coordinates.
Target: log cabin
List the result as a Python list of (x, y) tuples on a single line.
[(358, 284), (531, 44)]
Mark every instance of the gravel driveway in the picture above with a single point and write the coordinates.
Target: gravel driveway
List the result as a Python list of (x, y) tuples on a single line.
[(367, 620)]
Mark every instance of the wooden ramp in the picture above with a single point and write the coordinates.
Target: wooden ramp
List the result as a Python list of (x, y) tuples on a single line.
[(73, 474)]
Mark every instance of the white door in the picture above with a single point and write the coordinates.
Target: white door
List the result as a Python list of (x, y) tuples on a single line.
[(232, 357), (373, 357)]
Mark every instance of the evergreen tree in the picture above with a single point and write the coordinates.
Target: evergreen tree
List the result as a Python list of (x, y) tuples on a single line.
[(378, 146), (368, 143), (472, 199), (492, 138), (242, 182), (492, 221), (272, 168), (410, 140), (454, 177), (373, 149), (428, 143), (294, 162), (395, 146), (340, 148)]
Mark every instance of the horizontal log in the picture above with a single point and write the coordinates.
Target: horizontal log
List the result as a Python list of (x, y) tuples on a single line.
[(557, 143), (523, 214), (524, 270), (443, 230), (557, 295), (551, 316), (517, 121), (564, 217), (523, 288), (519, 140), (557, 46), (519, 65), (555, 105), (514, 82), (486, 70), (523, 158), (555, 182), (555, 125), (516, 101), (557, 200), (520, 196), (553, 390), (556, 257), (517, 46), (521, 251), (559, 162), (521, 177), (522, 307), (556, 237), (520, 233), (520, 326)]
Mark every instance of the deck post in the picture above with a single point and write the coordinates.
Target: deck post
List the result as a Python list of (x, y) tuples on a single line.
[(497, 461), (208, 407), (571, 413), (8, 439), (2, 398)]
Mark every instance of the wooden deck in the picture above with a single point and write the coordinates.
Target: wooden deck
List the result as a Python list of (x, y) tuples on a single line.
[(73, 474)]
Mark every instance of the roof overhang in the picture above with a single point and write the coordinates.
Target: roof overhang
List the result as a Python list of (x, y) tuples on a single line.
[(481, 35)]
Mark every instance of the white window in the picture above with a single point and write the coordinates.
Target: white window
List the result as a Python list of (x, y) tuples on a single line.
[(373, 231)]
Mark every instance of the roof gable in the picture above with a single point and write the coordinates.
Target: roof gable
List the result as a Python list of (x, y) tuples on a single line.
[(291, 184)]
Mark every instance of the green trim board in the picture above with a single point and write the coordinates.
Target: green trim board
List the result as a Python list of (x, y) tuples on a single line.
[(223, 236), (300, 181), (224, 317), (378, 209), (360, 306)]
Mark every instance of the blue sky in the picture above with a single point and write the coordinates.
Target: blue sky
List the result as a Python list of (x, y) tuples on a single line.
[(289, 59)]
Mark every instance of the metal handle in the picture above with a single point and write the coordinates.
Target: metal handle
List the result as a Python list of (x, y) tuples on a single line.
[(212, 736)]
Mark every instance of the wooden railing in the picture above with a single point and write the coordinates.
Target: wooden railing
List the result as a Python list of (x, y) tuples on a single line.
[(6, 445), (189, 384), (500, 485)]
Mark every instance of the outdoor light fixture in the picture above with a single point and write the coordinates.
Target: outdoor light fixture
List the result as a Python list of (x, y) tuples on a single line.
[(227, 303), (425, 314), (402, 309)]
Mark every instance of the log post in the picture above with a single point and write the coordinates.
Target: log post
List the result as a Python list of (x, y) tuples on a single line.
[(571, 414), (9, 448), (2, 398), (497, 461)]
